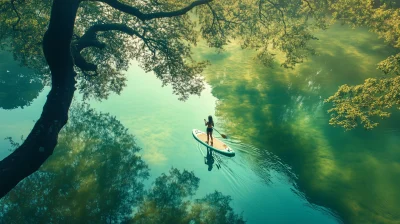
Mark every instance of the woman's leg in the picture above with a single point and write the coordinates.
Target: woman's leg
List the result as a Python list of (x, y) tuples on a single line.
[(208, 134), (211, 138)]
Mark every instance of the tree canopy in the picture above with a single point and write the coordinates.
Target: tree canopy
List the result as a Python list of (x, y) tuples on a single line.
[(108, 34), (159, 35)]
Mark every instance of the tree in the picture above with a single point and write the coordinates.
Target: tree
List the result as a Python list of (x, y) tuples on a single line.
[(365, 103), (92, 41)]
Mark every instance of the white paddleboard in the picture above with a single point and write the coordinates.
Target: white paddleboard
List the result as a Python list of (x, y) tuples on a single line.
[(218, 145)]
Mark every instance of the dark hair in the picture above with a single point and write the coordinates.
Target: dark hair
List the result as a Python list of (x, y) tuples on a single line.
[(210, 120)]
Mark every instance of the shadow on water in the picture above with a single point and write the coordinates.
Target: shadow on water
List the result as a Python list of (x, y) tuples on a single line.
[(19, 86), (282, 112), (96, 176), (209, 160)]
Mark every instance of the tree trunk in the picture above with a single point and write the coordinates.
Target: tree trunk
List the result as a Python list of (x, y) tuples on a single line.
[(41, 141)]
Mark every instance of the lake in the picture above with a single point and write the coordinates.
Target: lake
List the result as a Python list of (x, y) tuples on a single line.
[(290, 165)]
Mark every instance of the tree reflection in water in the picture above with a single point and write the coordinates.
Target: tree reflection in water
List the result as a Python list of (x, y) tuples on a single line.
[(165, 203), (18, 86), (96, 176)]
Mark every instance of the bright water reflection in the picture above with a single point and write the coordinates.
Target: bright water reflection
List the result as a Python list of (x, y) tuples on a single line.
[(282, 112)]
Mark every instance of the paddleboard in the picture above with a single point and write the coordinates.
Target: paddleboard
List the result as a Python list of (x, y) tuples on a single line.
[(218, 145)]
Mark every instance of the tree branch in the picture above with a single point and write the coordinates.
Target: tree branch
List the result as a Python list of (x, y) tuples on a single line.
[(16, 12), (80, 61), (109, 27), (148, 16), (277, 7), (89, 39), (216, 17)]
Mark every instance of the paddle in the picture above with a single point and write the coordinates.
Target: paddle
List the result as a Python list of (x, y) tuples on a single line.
[(222, 135)]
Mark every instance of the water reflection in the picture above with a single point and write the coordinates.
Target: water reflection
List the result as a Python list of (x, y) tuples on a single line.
[(209, 159), (281, 111), (96, 176), (166, 202), (18, 86)]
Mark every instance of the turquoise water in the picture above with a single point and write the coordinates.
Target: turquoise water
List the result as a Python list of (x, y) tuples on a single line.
[(162, 126), (290, 165)]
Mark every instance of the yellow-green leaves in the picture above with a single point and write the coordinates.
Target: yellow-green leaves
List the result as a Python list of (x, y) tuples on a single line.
[(391, 65), (364, 104)]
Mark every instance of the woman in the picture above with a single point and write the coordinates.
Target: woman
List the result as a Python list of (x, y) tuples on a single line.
[(210, 125)]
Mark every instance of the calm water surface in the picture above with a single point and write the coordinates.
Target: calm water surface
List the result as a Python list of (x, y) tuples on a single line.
[(290, 165)]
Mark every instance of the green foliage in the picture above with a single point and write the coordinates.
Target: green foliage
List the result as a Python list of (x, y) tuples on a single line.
[(165, 202), (160, 35), (22, 25), (391, 65), (162, 45), (214, 208), (363, 104), (267, 26)]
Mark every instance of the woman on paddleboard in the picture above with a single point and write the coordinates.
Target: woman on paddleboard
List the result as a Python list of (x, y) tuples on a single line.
[(210, 125)]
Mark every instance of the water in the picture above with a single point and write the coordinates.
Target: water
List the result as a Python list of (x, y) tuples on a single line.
[(164, 129), (282, 112), (290, 165)]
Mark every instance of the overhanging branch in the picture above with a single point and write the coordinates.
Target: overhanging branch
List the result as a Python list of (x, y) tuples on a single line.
[(217, 19), (148, 16), (89, 39)]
